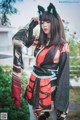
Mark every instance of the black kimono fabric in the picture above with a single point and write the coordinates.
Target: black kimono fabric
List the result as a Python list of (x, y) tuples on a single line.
[(55, 66), (53, 62)]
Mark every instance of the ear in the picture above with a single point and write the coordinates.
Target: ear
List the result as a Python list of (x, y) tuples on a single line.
[(51, 9), (40, 10)]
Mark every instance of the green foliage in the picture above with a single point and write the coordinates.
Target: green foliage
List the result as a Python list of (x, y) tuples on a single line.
[(7, 7), (74, 94), (75, 67), (75, 98), (71, 38), (24, 81), (78, 44), (74, 60), (73, 45), (74, 51), (6, 101), (4, 20)]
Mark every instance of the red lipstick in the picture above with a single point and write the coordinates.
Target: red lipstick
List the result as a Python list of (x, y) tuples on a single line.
[(45, 29)]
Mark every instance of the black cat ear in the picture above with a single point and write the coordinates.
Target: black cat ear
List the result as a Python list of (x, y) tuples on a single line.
[(40, 10), (51, 9)]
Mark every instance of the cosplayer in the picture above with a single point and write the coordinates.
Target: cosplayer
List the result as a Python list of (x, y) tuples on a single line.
[(48, 87)]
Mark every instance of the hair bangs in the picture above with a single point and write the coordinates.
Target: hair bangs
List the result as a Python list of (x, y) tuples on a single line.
[(45, 17)]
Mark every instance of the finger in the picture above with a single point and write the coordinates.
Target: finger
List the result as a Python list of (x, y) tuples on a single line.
[(35, 42), (35, 18)]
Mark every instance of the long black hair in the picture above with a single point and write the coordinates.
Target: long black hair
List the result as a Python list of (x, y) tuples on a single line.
[(57, 29)]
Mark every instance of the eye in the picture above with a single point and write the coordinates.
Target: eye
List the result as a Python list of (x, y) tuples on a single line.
[(42, 22), (48, 21)]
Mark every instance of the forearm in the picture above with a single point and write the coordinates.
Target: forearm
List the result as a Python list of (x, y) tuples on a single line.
[(25, 36)]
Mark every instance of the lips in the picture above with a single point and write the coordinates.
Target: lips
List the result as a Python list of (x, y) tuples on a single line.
[(45, 29)]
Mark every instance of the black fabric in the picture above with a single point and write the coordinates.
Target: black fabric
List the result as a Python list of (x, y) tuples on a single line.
[(44, 116), (62, 92), (26, 37), (48, 57), (42, 71), (26, 34), (18, 61), (33, 24), (61, 118)]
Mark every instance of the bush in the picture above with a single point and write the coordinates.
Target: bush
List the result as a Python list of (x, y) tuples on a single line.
[(6, 101)]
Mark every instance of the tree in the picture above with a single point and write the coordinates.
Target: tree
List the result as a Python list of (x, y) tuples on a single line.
[(7, 7)]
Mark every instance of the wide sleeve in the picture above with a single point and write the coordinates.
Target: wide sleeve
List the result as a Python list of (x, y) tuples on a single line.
[(21, 38), (62, 92), (25, 35), (16, 74)]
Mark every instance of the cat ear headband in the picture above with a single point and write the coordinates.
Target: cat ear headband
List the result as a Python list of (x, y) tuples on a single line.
[(51, 9)]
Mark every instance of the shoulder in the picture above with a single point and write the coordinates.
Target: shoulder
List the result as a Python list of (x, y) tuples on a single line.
[(65, 48)]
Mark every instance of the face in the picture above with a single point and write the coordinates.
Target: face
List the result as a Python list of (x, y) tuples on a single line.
[(46, 26)]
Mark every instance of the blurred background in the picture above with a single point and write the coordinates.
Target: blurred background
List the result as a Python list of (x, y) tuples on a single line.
[(15, 14)]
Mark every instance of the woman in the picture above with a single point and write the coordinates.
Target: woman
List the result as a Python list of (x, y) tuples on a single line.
[(48, 87)]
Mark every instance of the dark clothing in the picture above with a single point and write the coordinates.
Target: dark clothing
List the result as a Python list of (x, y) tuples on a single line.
[(49, 72), (51, 69)]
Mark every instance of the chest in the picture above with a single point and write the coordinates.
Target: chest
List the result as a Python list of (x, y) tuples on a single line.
[(48, 55)]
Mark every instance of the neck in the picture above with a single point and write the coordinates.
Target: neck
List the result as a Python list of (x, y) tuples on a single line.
[(49, 36)]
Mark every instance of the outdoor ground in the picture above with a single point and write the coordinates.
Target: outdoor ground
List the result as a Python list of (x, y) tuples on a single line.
[(74, 113), (74, 118), (74, 106)]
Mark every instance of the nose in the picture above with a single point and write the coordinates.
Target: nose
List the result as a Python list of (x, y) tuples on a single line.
[(45, 24)]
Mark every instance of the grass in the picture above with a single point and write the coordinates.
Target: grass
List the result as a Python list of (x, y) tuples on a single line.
[(75, 94), (75, 97), (73, 113)]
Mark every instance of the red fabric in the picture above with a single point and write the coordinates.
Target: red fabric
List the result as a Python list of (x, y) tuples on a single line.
[(16, 90), (39, 89), (29, 90), (41, 57), (45, 96)]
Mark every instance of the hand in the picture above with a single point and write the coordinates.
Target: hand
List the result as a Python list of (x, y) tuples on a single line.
[(34, 22), (35, 41), (35, 19)]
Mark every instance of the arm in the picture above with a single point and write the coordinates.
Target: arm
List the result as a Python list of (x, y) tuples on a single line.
[(25, 35), (21, 38), (62, 92)]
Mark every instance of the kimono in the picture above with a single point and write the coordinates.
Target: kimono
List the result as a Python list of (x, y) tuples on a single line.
[(51, 69), (22, 37)]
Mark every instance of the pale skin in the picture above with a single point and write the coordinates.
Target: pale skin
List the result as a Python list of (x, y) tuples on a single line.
[(46, 26)]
